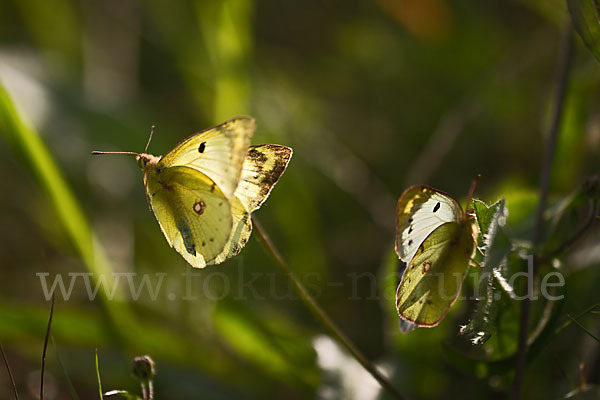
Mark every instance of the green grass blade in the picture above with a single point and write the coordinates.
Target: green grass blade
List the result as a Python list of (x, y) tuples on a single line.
[(26, 142), (64, 370), (98, 376), (228, 35)]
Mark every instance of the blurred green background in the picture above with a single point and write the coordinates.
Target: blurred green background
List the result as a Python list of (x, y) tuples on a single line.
[(372, 96)]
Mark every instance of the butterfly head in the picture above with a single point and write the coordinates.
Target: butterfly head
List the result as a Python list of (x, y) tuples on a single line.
[(145, 159)]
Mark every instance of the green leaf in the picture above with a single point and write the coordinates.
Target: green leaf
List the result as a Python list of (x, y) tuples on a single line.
[(585, 19), (496, 246)]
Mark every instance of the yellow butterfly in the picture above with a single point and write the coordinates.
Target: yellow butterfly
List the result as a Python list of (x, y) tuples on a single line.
[(203, 191), (436, 238)]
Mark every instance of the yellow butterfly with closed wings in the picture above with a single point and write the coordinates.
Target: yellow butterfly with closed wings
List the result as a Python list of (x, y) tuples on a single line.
[(203, 191), (436, 239)]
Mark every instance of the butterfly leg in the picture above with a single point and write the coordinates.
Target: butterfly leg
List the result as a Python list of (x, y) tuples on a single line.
[(474, 263)]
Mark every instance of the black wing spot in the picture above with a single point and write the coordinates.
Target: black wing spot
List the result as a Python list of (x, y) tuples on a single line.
[(437, 207), (202, 147), (410, 220), (410, 229), (410, 242)]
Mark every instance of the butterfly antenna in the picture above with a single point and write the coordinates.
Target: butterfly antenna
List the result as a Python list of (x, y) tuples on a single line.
[(472, 190), (150, 138), (95, 153)]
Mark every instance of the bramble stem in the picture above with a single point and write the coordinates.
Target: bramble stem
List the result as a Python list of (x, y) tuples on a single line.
[(321, 315), (564, 65)]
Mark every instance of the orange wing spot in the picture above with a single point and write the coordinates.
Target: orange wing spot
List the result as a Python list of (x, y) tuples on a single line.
[(426, 267), (165, 186), (199, 207)]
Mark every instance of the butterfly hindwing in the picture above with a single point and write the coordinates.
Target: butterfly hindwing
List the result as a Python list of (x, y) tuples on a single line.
[(263, 166), (420, 210), (217, 152), (433, 278), (193, 213), (242, 228)]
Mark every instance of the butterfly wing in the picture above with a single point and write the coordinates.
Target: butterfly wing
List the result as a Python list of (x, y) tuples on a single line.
[(217, 152), (242, 228), (420, 210), (433, 278), (263, 166), (193, 213)]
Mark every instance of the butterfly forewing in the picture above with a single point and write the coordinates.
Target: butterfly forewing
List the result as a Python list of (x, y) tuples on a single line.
[(193, 213), (217, 152), (263, 166), (420, 210)]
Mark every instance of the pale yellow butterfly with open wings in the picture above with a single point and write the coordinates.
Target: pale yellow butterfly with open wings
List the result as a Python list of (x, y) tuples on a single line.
[(203, 191)]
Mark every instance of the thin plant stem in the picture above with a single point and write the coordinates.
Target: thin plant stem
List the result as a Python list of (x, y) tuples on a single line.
[(10, 375), (564, 67), (150, 390), (321, 315), (586, 330), (46, 339)]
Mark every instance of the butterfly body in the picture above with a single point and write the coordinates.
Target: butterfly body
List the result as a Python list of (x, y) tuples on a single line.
[(203, 191), (435, 238)]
